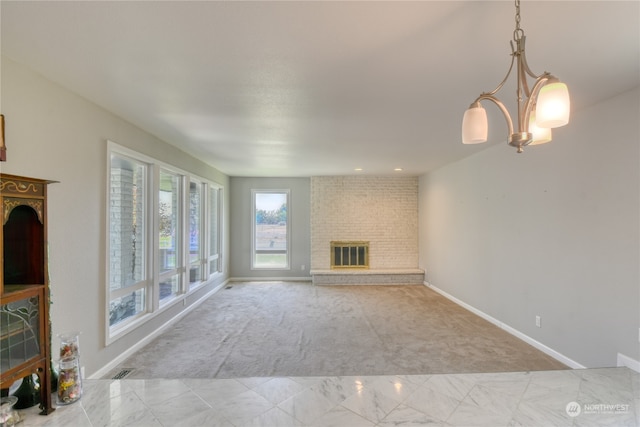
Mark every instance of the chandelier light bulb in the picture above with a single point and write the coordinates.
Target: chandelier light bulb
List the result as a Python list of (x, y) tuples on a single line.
[(553, 105), (540, 135), (474, 125)]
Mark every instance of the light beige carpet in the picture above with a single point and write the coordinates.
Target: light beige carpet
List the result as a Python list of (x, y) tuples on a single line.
[(274, 329)]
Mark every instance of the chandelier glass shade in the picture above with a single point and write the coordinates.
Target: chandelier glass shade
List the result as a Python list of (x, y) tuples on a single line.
[(544, 105)]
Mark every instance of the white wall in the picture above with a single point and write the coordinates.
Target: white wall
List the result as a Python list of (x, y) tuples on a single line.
[(553, 232), (53, 134)]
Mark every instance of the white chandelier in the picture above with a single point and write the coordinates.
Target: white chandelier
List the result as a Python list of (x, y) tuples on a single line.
[(543, 107)]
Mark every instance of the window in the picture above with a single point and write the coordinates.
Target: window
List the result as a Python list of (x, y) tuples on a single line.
[(169, 235), (270, 241), (215, 197), (195, 232), (164, 237), (128, 234)]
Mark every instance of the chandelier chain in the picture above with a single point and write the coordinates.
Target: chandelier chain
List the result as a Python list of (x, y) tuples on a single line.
[(518, 33)]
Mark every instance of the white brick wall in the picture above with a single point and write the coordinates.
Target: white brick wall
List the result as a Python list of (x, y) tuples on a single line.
[(382, 210)]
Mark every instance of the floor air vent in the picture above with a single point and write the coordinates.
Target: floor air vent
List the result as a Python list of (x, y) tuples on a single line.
[(122, 374)]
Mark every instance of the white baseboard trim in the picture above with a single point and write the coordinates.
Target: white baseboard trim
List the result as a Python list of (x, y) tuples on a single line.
[(270, 279), (146, 340), (537, 344), (628, 362)]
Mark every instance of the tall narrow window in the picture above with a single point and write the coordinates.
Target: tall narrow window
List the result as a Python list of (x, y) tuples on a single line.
[(169, 235), (214, 230), (195, 232), (270, 229), (128, 236)]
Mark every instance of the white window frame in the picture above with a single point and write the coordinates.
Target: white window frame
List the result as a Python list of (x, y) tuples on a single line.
[(214, 253), (151, 284), (200, 262), (180, 268), (147, 240)]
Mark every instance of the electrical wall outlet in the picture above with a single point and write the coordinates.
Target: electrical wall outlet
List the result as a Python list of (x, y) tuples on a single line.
[(302, 267), (538, 321)]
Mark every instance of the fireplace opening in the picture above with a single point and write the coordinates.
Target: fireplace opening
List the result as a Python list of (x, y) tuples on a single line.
[(349, 254)]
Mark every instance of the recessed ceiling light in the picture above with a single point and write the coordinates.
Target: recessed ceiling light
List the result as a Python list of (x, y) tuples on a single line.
[(398, 169), (358, 169)]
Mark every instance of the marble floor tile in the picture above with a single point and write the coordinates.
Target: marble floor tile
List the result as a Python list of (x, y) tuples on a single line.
[(484, 400), (273, 417), (139, 419), (216, 391), (340, 417), (394, 387), (104, 411), (176, 409), (209, 417), (494, 400), (156, 391), (456, 386), (338, 389), (539, 401), (532, 414), (243, 407), (606, 387), (373, 403), (68, 415), (253, 381), (432, 401), (277, 390), (307, 406), (468, 414), (406, 416)]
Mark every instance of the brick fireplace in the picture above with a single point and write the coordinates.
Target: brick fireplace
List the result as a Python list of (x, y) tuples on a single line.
[(379, 210)]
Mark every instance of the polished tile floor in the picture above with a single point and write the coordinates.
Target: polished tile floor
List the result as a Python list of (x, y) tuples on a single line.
[(590, 397)]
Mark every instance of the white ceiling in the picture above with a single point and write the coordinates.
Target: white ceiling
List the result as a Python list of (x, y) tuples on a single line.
[(262, 88)]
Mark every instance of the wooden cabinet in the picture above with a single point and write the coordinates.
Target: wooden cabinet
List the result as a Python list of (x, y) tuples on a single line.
[(24, 285)]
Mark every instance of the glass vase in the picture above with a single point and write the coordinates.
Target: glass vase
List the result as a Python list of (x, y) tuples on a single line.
[(69, 345), (69, 380)]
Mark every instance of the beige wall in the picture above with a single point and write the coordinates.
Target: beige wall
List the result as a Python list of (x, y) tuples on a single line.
[(53, 134), (380, 209), (552, 232)]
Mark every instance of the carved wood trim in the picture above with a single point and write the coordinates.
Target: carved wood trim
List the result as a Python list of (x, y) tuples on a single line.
[(11, 203)]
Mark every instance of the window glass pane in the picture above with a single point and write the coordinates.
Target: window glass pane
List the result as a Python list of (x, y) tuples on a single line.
[(213, 266), (127, 236), (127, 222), (124, 307), (169, 287), (270, 238), (214, 230), (195, 220), (169, 235), (213, 222)]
